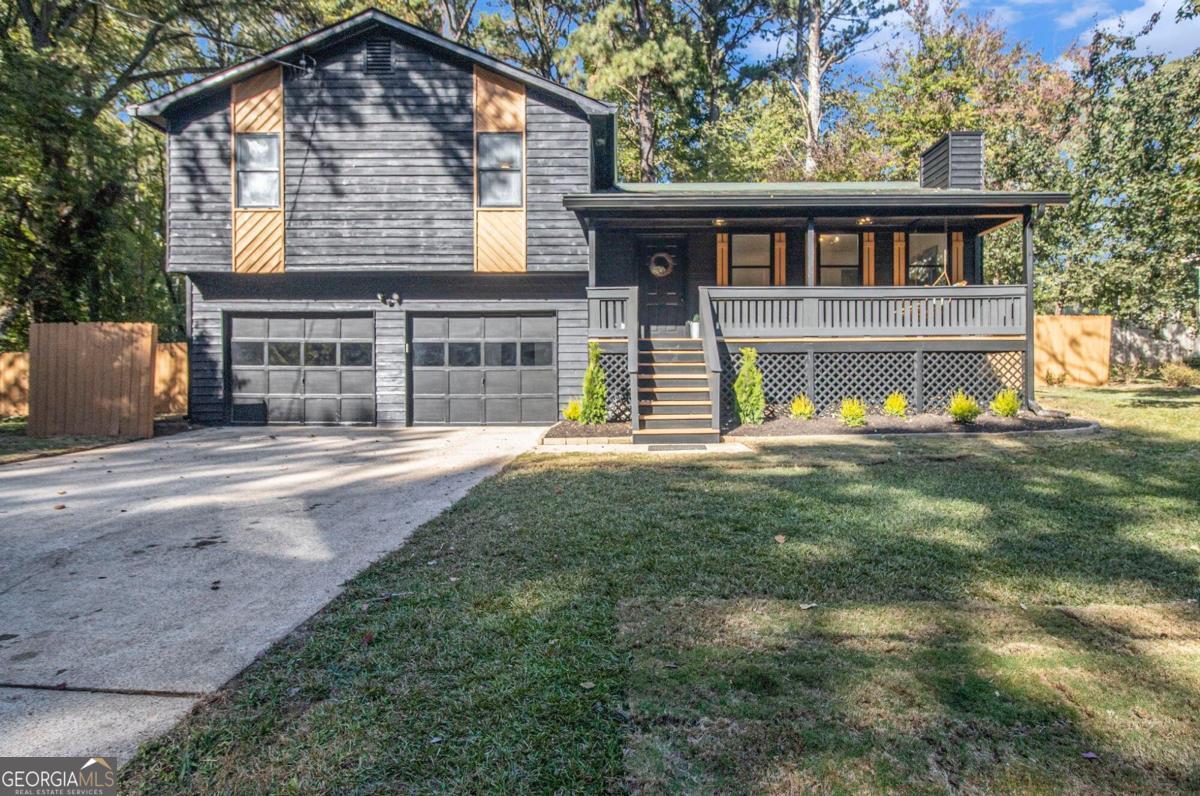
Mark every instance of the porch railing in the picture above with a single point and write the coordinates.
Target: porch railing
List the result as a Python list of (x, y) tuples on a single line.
[(977, 310), (613, 314)]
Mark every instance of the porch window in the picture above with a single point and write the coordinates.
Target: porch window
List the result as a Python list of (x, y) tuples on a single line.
[(750, 260), (926, 257), (839, 260)]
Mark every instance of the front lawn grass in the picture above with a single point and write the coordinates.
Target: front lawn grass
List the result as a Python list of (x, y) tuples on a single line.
[(16, 446), (915, 614)]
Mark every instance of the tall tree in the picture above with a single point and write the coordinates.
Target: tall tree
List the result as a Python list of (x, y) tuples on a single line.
[(532, 33), (813, 38), (632, 52)]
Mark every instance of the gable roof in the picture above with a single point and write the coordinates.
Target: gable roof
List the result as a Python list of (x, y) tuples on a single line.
[(152, 112)]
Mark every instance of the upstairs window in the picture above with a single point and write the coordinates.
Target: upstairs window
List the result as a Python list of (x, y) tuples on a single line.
[(499, 169), (257, 162), (926, 257), (840, 260)]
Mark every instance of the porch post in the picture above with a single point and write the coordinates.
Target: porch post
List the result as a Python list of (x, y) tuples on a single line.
[(810, 255), (591, 237), (1027, 254)]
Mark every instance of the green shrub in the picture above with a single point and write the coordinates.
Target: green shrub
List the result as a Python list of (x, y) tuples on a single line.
[(895, 405), (748, 397), (595, 394), (1177, 374), (854, 412), (573, 411), (1055, 379), (802, 408), (963, 408), (1006, 403)]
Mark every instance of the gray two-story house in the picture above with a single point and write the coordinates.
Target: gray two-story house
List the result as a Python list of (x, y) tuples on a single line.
[(378, 225)]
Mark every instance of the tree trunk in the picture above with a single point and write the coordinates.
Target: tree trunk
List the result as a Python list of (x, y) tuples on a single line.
[(812, 98), (644, 110)]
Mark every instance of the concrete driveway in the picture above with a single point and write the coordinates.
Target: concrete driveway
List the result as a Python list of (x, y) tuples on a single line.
[(135, 579)]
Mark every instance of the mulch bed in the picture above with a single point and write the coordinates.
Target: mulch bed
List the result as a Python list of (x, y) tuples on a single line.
[(569, 428), (917, 424)]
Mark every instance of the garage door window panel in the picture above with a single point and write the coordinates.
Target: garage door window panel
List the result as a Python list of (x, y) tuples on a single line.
[(320, 355), (464, 355), (283, 354), (356, 355), (537, 354), (500, 354), (429, 355)]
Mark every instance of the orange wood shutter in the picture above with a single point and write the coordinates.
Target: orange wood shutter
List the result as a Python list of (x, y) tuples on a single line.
[(256, 106), (899, 258), (722, 258), (500, 232), (868, 258), (780, 258), (956, 257)]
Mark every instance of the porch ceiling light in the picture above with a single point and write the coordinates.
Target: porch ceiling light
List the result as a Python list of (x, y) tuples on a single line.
[(718, 222), (862, 222)]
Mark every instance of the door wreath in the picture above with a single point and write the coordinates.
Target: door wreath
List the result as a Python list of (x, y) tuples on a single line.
[(662, 264)]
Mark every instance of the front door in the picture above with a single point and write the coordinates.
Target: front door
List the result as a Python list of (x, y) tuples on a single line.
[(662, 280)]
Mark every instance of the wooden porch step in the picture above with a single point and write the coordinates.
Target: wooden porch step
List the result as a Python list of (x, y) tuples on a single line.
[(674, 376), (661, 388), (666, 418), (662, 402), (673, 432), (653, 364)]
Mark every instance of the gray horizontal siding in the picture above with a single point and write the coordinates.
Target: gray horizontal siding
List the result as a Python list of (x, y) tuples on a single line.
[(380, 167), (199, 217), (558, 159), (378, 171), (213, 296)]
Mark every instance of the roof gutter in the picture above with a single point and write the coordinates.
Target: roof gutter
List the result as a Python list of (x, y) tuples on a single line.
[(599, 202)]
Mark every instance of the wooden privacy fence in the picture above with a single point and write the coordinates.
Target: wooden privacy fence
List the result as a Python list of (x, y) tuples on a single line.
[(1077, 348), (170, 381)]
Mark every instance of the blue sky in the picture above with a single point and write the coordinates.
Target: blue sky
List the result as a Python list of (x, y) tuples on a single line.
[(1052, 27)]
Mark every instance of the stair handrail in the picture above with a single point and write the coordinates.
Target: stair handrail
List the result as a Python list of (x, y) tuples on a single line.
[(712, 357), (633, 330)]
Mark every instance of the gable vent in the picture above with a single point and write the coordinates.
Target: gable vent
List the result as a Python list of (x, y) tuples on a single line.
[(377, 57)]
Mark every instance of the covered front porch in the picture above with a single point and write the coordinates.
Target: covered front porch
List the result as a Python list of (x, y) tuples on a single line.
[(846, 296)]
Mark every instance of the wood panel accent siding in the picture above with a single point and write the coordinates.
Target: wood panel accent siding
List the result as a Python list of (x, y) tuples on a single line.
[(722, 259), (956, 258), (499, 103), (500, 233), (257, 103), (780, 258), (256, 106), (501, 241), (92, 379), (899, 258), (258, 241), (868, 258)]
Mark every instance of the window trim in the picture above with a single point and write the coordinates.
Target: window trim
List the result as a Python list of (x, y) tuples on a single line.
[(821, 265), (480, 170), (238, 170), (908, 255)]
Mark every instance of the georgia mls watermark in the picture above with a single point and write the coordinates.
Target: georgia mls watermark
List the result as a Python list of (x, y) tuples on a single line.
[(57, 776)]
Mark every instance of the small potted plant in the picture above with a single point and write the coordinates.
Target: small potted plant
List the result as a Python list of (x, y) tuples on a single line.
[(694, 327)]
